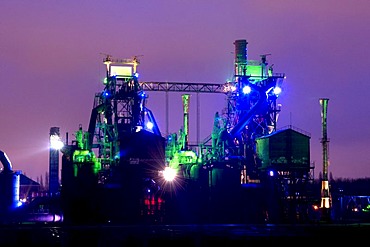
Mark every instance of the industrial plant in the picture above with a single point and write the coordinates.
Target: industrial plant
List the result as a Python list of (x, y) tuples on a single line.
[(122, 170)]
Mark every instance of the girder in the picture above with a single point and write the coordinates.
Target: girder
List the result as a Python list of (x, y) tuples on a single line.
[(184, 87)]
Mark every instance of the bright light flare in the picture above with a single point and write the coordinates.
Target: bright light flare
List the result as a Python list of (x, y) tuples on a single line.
[(247, 90), (277, 90), (149, 125), (55, 142), (229, 87), (169, 174)]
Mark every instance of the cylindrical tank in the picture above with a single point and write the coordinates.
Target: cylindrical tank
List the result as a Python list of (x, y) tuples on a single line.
[(9, 190), (9, 186)]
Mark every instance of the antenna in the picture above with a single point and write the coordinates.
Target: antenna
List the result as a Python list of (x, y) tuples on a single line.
[(108, 57)]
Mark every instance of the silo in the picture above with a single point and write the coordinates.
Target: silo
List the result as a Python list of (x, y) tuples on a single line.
[(9, 190), (9, 185)]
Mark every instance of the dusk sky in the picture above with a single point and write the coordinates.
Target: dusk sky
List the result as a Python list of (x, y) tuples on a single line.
[(51, 66)]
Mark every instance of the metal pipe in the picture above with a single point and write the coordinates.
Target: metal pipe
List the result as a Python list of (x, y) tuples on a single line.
[(5, 161)]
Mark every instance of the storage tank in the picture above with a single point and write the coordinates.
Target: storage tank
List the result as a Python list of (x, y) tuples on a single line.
[(284, 149), (9, 185)]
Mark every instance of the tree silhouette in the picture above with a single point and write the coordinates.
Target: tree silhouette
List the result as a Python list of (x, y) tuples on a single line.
[(41, 183), (46, 181)]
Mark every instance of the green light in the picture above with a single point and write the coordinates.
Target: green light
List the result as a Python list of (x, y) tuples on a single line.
[(257, 71), (85, 157)]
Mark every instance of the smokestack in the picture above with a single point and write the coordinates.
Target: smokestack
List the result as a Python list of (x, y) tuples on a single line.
[(325, 193), (324, 140), (240, 56), (185, 102)]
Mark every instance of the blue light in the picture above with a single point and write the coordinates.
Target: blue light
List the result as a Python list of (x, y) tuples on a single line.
[(106, 94), (271, 173), (136, 75), (277, 90), (149, 125), (142, 94)]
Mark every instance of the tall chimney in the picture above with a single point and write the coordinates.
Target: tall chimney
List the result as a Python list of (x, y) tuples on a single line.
[(185, 102), (240, 57), (325, 193)]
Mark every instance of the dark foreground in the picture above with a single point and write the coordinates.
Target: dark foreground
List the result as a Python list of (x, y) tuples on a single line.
[(180, 235)]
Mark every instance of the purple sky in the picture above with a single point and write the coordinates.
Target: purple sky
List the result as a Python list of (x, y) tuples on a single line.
[(51, 66)]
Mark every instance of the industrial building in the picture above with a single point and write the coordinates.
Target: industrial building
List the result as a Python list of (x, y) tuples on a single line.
[(246, 171), (122, 170)]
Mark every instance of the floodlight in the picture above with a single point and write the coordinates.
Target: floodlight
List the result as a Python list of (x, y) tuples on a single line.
[(247, 89), (169, 174), (55, 142)]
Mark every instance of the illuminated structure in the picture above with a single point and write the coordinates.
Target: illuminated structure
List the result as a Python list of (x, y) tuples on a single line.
[(9, 187), (115, 170), (108, 172), (55, 145), (325, 193)]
